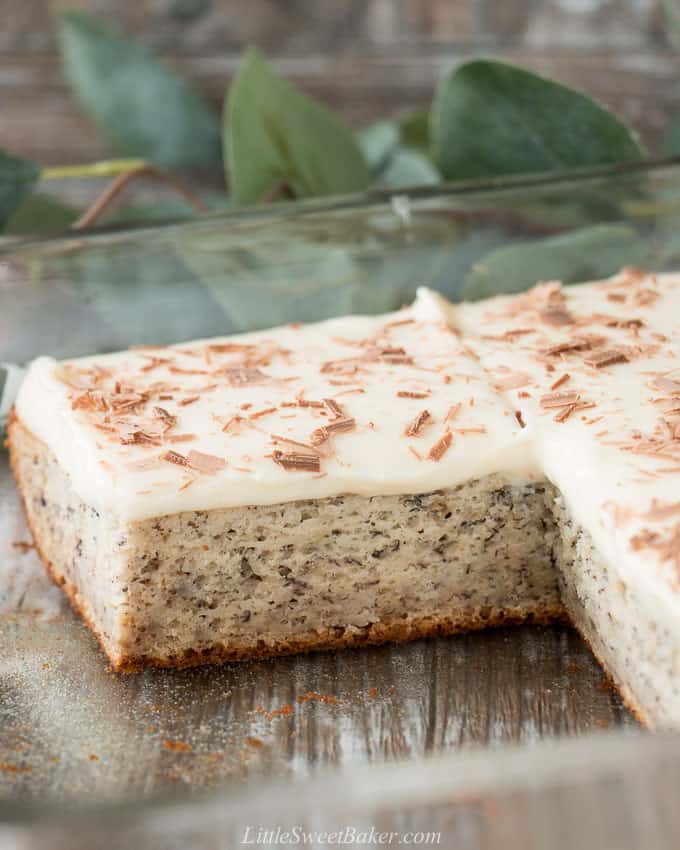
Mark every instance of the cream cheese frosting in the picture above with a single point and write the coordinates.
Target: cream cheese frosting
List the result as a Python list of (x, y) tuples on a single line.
[(577, 384), (597, 382), (236, 421)]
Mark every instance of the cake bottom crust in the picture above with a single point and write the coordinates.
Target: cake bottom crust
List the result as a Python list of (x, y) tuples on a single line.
[(397, 631)]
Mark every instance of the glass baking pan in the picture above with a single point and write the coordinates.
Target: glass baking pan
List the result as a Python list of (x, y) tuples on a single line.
[(394, 735)]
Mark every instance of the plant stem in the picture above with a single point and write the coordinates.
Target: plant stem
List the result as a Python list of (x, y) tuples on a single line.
[(112, 191), (107, 168)]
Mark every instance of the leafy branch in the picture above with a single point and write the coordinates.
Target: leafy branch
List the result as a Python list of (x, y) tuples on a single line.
[(487, 118)]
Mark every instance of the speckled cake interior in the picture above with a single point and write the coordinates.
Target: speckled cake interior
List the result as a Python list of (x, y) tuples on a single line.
[(365, 479), (263, 580)]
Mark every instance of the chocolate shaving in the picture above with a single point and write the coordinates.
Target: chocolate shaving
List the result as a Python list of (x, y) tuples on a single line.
[(440, 448), (139, 437), (453, 412), (241, 375), (334, 408), (558, 399), (205, 463), (166, 418), (175, 457), (415, 427), (276, 438), (560, 381), (409, 394), (298, 461), (259, 413), (512, 381), (578, 343), (564, 413), (556, 315), (89, 400), (609, 357), (520, 419), (666, 385), (347, 423), (320, 435), (660, 512)]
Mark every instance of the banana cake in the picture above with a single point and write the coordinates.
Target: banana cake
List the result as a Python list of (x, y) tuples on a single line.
[(367, 479)]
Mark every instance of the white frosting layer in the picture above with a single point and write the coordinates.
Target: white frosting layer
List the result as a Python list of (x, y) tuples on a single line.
[(611, 460), (617, 464), (375, 457)]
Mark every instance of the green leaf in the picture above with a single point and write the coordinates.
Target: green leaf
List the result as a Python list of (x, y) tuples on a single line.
[(40, 213), (586, 254), (378, 142), (143, 107), (276, 134), (18, 176), (490, 118), (408, 168), (415, 131)]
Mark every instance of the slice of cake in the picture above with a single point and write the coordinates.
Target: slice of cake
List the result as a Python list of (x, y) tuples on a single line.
[(370, 479)]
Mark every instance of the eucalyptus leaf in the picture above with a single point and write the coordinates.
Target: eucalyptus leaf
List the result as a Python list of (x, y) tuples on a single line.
[(586, 254), (143, 107), (408, 168), (276, 134), (378, 142), (415, 131), (490, 118), (39, 213), (18, 176)]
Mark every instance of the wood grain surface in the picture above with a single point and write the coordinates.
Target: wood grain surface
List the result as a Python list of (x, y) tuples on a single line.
[(369, 60)]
